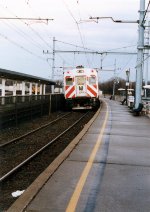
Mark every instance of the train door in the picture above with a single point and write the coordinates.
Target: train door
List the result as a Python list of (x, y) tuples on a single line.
[(80, 86)]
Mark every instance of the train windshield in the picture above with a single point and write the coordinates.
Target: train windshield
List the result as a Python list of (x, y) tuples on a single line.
[(92, 80), (80, 80), (69, 81)]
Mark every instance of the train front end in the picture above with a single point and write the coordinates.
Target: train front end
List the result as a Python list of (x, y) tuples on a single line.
[(81, 88)]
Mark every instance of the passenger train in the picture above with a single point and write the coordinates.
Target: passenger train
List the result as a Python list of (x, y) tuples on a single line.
[(81, 88)]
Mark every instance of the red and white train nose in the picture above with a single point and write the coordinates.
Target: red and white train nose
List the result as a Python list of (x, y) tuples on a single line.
[(81, 87)]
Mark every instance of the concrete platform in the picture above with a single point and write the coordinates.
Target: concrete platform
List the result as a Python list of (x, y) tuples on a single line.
[(117, 179)]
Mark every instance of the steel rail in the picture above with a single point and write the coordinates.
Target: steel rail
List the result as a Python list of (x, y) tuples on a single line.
[(33, 131), (40, 150)]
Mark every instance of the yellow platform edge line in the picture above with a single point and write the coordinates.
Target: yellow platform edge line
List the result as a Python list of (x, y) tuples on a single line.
[(77, 192)]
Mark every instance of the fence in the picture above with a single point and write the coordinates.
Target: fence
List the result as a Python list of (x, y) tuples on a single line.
[(16, 109)]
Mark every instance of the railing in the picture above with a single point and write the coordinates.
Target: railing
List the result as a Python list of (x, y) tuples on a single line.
[(52, 99), (5, 100), (15, 109)]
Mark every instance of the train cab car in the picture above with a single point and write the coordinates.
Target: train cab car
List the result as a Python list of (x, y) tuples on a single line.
[(81, 88)]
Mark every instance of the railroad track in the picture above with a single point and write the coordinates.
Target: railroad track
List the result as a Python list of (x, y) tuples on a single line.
[(33, 155), (20, 176), (32, 131)]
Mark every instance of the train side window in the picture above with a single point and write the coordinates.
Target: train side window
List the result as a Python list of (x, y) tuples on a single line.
[(69, 81), (92, 80)]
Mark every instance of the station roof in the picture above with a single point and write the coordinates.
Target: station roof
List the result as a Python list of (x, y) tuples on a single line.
[(13, 75)]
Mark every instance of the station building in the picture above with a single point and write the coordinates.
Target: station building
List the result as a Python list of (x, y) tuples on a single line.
[(14, 83)]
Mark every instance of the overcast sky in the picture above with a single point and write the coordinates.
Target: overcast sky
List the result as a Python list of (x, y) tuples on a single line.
[(22, 42)]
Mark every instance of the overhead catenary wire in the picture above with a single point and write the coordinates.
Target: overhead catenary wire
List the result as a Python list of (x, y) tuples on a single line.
[(76, 48), (100, 51), (21, 47), (33, 10), (62, 58), (106, 53), (78, 9), (145, 13), (23, 21), (124, 47), (31, 28), (23, 35), (75, 45), (78, 29), (27, 37), (59, 54), (139, 64), (129, 60), (12, 25)]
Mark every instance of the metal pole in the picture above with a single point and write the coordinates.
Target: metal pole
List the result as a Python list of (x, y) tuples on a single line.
[(139, 71), (50, 103), (53, 65), (146, 55), (114, 84), (127, 84), (126, 89), (113, 88)]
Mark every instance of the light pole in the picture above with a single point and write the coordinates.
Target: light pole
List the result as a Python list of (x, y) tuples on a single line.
[(127, 84)]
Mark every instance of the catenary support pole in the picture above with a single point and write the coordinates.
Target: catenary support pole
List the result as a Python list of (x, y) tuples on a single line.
[(53, 65), (139, 70), (114, 83), (147, 54)]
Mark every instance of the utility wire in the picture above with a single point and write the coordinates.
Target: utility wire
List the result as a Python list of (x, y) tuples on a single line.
[(16, 43), (142, 61), (92, 49), (74, 45), (21, 47), (145, 12), (33, 10), (33, 30), (79, 10), (127, 63), (77, 28), (23, 34), (61, 57), (124, 47), (35, 13)]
